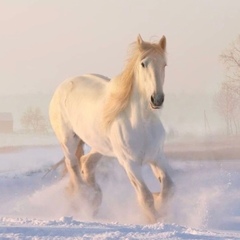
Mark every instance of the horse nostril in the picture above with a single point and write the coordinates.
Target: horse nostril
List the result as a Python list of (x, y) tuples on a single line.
[(152, 99)]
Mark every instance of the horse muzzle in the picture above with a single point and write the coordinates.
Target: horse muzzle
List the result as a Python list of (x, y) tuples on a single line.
[(157, 101)]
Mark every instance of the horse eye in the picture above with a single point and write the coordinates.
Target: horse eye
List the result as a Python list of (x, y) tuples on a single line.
[(142, 64)]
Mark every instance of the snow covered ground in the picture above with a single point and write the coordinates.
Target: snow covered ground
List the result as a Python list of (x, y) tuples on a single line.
[(206, 204)]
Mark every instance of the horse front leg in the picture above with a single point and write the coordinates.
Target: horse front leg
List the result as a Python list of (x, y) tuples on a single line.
[(161, 171), (145, 197)]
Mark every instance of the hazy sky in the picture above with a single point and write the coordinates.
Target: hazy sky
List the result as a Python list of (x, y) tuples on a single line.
[(44, 42)]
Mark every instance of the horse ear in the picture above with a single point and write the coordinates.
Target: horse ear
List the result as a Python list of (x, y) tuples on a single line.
[(139, 40), (163, 42)]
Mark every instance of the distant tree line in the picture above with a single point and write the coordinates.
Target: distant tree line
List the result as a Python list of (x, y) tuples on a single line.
[(227, 100)]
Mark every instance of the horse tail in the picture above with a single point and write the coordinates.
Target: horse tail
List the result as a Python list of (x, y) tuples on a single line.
[(56, 166)]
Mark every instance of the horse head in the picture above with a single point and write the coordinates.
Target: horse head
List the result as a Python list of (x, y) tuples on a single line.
[(150, 70)]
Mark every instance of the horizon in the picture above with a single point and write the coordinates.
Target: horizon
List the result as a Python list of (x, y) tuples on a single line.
[(183, 113)]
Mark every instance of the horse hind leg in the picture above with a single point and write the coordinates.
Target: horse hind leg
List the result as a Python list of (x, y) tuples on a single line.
[(88, 166), (70, 146), (80, 152)]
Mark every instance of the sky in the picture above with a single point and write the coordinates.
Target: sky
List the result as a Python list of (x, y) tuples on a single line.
[(45, 42)]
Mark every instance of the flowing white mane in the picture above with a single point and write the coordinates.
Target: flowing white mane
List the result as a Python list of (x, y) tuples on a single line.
[(122, 85)]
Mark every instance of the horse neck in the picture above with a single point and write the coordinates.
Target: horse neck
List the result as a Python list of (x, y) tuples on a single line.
[(138, 107)]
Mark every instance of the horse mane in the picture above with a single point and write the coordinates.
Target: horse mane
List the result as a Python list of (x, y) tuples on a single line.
[(121, 87)]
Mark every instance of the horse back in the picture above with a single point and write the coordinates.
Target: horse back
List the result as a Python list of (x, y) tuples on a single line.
[(76, 104)]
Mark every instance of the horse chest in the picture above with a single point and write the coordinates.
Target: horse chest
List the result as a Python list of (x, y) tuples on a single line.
[(139, 143), (152, 138)]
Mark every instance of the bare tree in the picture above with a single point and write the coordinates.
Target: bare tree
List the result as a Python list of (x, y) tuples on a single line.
[(231, 59), (227, 105), (228, 99), (34, 121)]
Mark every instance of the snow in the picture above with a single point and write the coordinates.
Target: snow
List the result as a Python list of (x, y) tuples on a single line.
[(67, 228), (205, 204)]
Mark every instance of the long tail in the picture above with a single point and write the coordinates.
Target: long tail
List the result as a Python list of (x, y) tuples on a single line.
[(55, 166)]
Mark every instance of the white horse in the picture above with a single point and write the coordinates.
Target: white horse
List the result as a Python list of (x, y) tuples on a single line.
[(116, 118)]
